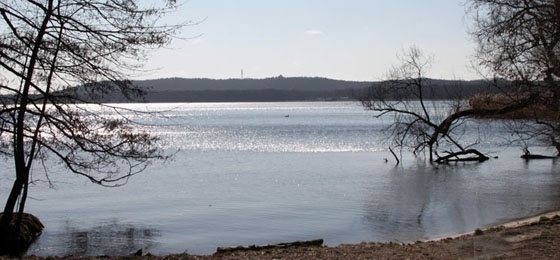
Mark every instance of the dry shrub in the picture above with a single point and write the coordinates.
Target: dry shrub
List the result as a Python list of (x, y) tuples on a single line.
[(15, 242), (500, 101)]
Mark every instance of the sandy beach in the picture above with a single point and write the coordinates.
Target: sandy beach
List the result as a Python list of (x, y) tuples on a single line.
[(531, 238)]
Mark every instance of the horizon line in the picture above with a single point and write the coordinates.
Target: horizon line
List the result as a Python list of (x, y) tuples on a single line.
[(290, 77)]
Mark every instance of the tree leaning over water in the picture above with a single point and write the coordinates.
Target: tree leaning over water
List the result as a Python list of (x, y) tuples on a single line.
[(518, 44), (49, 46), (519, 40), (418, 123)]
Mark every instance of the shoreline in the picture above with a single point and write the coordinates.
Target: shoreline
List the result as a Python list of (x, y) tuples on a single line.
[(529, 220), (533, 237), (508, 224)]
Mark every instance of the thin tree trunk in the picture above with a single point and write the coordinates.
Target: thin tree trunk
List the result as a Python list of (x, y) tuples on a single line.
[(431, 152), (8, 214), (23, 199), (22, 174)]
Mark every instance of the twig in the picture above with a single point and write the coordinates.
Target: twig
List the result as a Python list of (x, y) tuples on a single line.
[(394, 155)]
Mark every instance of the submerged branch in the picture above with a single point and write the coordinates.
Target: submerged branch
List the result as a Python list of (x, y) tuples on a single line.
[(394, 155), (455, 157)]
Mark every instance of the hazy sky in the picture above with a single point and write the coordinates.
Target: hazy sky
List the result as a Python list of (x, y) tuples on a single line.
[(350, 39)]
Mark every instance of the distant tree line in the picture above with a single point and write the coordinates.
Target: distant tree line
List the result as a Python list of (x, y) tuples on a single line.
[(277, 89)]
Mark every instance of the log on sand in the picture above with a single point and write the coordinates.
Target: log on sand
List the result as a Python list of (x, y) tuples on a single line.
[(309, 243)]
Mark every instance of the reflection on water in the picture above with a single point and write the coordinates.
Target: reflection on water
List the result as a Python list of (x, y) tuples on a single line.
[(401, 209), (111, 238), (257, 198), (424, 201), (245, 174)]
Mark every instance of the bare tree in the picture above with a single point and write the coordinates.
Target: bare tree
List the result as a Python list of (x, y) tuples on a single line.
[(46, 48), (519, 43), (420, 124), (519, 40)]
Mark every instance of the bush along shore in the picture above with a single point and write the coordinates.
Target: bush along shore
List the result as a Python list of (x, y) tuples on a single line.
[(16, 239)]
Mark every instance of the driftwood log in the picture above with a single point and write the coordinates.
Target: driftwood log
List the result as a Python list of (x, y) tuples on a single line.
[(309, 243), (537, 156), (454, 157), (527, 155)]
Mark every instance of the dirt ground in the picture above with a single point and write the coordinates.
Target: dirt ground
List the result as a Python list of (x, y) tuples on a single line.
[(536, 238)]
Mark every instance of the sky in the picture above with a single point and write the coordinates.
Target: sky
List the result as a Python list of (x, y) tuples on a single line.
[(348, 40)]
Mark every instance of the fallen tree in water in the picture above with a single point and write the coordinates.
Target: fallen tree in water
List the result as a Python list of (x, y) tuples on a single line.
[(537, 156), (529, 156), (456, 157), (423, 126)]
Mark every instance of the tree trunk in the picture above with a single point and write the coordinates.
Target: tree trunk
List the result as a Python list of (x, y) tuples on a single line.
[(11, 204), (22, 174)]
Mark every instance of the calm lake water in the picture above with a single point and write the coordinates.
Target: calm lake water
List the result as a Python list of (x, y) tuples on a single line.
[(257, 173)]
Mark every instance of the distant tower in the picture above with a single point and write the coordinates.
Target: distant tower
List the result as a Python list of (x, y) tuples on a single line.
[(241, 73)]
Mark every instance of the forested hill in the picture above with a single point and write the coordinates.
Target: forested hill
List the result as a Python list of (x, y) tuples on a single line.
[(296, 83), (238, 90), (278, 89)]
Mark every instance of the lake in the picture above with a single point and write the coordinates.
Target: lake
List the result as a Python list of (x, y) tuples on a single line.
[(257, 173)]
